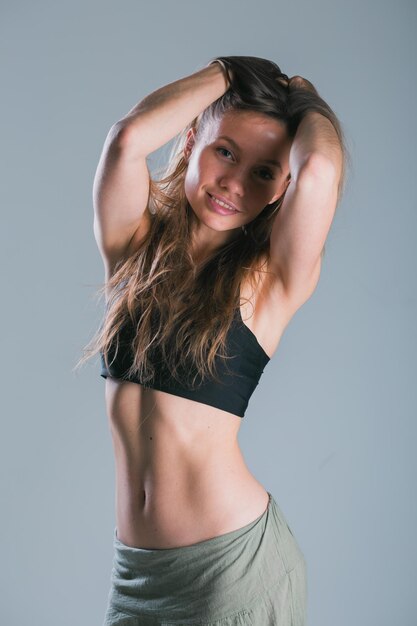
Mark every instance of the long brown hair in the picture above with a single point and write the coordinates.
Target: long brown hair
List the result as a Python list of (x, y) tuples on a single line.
[(158, 291)]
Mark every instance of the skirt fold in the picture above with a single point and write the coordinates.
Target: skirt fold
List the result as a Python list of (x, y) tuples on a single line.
[(255, 575)]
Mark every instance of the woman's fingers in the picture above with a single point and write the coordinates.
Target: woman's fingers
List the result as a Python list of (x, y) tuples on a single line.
[(283, 81), (298, 82)]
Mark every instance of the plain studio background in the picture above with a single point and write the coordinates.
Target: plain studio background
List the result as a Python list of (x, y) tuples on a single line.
[(331, 429)]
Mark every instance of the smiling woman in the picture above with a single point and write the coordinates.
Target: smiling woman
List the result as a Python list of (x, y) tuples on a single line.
[(196, 304), (248, 174)]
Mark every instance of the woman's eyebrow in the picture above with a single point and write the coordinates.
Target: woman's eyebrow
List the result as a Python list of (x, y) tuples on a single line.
[(234, 144)]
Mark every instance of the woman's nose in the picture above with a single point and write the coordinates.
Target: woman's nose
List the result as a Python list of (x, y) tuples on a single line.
[(235, 182)]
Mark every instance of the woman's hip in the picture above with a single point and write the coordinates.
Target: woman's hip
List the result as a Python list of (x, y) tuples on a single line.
[(256, 570)]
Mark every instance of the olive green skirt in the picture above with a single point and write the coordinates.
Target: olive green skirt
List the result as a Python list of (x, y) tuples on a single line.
[(253, 575)]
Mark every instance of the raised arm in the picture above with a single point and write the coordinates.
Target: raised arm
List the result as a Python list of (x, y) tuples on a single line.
[(303, 221), (121, 184), (161, 115)]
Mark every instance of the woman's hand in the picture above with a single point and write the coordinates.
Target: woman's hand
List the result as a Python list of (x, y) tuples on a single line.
[(227, 72), (298, 82)]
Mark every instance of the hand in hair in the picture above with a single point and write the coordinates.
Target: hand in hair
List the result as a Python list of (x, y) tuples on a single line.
[(298, 82), (228, 73)]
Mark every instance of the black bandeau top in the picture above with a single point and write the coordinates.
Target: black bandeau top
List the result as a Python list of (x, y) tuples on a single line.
[(238, 375)]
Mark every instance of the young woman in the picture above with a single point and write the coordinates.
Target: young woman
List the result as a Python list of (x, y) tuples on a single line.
[(204, 269)]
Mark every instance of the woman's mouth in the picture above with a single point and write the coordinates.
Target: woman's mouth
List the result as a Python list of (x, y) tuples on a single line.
[(219, 207)]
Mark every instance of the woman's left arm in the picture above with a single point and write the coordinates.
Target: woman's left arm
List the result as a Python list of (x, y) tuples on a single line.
[(303, 221)]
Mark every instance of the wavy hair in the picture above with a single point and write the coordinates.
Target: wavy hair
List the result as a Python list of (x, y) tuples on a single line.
[(158, 293)]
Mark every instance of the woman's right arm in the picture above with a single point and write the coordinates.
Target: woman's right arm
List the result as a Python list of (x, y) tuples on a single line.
[(161, 115), (121, 183)]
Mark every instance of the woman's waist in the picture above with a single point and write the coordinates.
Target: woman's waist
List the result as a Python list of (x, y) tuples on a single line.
[(156, 511)]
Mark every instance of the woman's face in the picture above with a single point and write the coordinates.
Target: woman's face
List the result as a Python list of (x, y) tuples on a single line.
[(236, 169)]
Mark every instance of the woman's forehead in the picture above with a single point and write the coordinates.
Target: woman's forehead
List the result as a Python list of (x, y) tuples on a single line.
[(251, 131), (252, 125)]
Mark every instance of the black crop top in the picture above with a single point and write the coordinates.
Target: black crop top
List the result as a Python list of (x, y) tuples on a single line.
[(239, 376)]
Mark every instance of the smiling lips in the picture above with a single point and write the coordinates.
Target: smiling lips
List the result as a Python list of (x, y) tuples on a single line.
[(224, 202)]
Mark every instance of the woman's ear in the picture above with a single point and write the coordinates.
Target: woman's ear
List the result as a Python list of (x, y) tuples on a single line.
[(282, 190), (189, 142)]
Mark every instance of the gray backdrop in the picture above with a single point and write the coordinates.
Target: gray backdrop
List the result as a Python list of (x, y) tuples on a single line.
[(331, 429)]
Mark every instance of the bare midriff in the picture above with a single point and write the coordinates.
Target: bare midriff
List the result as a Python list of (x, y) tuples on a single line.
[(180, 474)]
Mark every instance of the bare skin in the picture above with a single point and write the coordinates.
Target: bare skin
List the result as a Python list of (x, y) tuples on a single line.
[(238, 173), (180, 474)]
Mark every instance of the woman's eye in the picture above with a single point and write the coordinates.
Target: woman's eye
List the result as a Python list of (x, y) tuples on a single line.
[(269, 174), (225, 150)]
